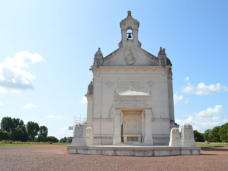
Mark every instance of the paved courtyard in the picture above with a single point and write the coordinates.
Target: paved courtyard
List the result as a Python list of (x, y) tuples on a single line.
[(55, 157)]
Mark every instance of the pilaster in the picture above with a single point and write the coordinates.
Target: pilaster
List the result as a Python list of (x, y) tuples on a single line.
[(148, 129), (117, 127)]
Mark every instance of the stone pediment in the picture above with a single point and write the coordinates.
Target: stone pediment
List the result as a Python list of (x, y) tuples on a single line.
[(128, 56), (130, 52)]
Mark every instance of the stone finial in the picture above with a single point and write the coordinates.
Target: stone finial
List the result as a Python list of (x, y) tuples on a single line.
[(187, 137), (99, 53), (129, 13), (129, 22), (98, 58), (162, 56), (161, 52), (175, 140), (90, 88)]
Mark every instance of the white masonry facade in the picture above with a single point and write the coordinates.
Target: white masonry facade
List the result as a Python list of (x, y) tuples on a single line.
[(130, 99)]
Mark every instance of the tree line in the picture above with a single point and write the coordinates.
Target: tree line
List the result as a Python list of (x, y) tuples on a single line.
[(14, 129), (217, 134)]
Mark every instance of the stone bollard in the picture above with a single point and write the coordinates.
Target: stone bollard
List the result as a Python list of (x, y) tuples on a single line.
[(79, 135), (187, 137), (174, 138)]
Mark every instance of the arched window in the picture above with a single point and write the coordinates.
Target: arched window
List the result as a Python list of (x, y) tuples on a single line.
[(129, 34)]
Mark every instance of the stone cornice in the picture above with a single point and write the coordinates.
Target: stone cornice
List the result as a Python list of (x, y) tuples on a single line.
[(130, 68)]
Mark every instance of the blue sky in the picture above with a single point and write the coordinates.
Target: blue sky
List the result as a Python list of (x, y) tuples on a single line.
[(47, 48)]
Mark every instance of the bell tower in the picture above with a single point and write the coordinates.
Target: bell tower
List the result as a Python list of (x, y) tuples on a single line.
[(129, 32)]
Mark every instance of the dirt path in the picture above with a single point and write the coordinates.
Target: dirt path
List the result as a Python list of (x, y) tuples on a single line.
[(55, 157)]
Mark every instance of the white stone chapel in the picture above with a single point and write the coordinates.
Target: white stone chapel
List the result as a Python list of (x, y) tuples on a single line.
[(130, 98)]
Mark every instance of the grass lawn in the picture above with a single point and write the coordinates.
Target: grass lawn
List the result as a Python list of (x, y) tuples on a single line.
[(212, 144), (19, 143)]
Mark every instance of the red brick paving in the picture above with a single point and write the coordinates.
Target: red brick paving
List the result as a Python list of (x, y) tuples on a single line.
[(55, 158)]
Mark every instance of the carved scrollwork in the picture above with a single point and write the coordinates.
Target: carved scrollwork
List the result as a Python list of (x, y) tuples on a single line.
[(129, 58)]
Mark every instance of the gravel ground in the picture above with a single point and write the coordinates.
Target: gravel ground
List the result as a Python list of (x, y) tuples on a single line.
[(55, 157)]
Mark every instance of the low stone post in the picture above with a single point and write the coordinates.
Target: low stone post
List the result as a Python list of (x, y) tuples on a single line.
[(79, 135), (187, 137), (175, 140)]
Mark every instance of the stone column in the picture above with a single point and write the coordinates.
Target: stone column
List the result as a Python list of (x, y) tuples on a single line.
[(123, 33), (117, 127), (89, 136), (135, 36), (143, 126), (89, 109), (171, 105), (148, 128)]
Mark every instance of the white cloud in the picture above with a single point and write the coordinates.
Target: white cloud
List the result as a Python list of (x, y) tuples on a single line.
[(54, 117), (1, 104), (203, 89), (187, 78), (205, 119), (29, 106), (14, 74), (189, 88), (84, 100), (177, 98)]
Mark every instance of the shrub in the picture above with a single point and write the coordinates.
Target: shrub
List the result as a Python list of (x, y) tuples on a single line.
[(66, 140), (52, 139)]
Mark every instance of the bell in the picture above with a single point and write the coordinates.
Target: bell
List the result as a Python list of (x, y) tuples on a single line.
[(129, 36)]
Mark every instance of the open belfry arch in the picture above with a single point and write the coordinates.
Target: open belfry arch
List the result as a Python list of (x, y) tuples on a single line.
[(130, 99)]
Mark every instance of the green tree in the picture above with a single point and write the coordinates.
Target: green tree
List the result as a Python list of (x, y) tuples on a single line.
[(52, 139), (223, 133), (15, 128), (43, 130), (41, 138), (198, 136), (66, 140), (19, 134), (63, 140), (18, 123), (7, 124), (32, 129), (19, 131), (206, 135), (4, 135), (214, 134)]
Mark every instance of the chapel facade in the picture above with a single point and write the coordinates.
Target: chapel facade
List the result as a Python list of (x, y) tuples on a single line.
[(130, 98)]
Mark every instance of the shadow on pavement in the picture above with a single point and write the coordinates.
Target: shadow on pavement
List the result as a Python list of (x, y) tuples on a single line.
[(214, 149)]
